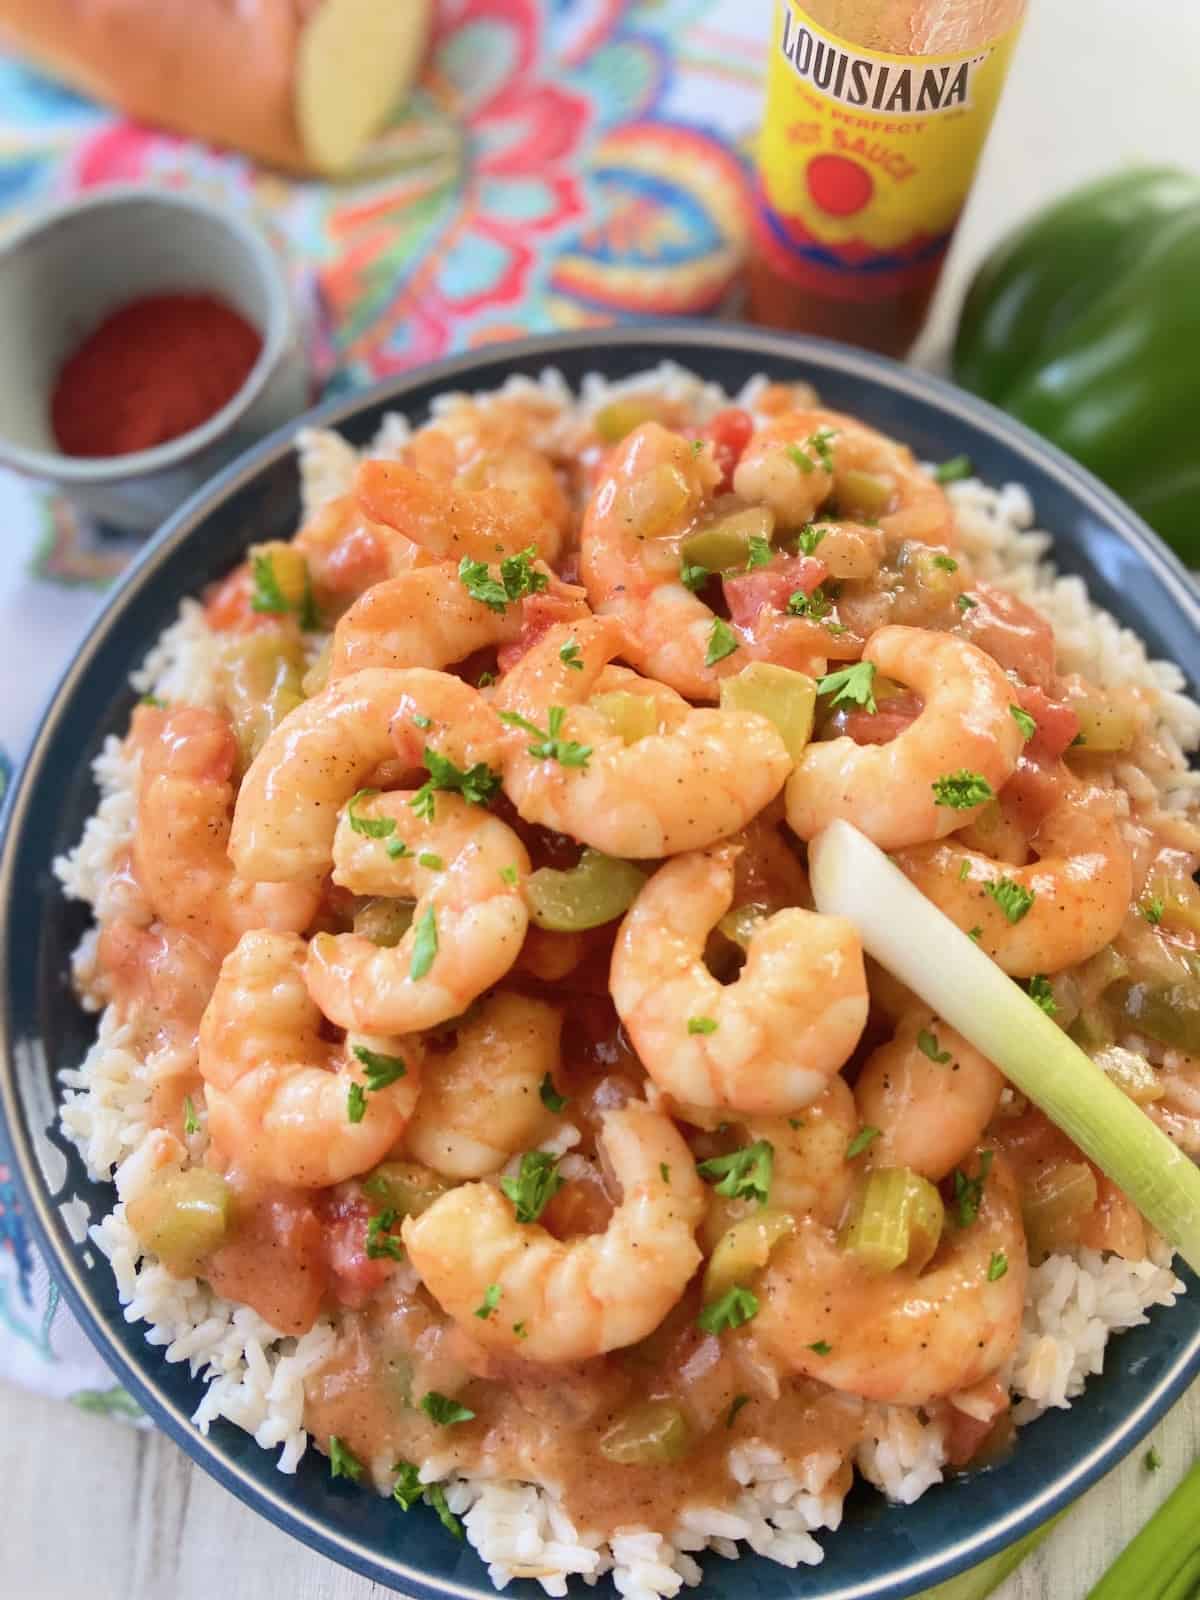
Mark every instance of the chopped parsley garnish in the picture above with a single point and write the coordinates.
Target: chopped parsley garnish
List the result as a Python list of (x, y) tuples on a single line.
[(722, 642), (551, 1099), (518, 577), (1152, 909), (964, 870), (865, 1136), (397, 849), (702, 1025), (508, 874), (795, 1122), (968, 1192), (1012, 898), (962, 790), (665, 1170), (190, 1122), (927, 1044), (693, 576), (997, 1266), (485, 679), (425, 946), (435, 1499), (822, 1347), (1023, 721), (422, 722), (369, 827), (535, 1185), (965, 602), (548, 746), (477, 784), (491, 1299), (356, 1102), (815, 605), (975, 933), (267, 596), (945, 563), (739, 1400), (343, 1463), (379, 1070), (799, 459), (428, 860), (521, 1331), (809, 538), (407, 1489), (1041, 992), (380, 1242), (1152, 1460), (153, 700), (570, 654), (952, 471), (443, 1410), (1077, 740), (851, 686), (758, 553), (730, 1311), (744, 1174)]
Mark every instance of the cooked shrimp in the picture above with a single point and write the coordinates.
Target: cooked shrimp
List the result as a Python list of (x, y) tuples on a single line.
[(159, 979), (888, 790), (464, 868), (568, 1300), (671, 791), (1055, 912), (930, 1094), (851, 456), (811, 1175), (288, 805), (904, 1337), (347, 551), (278, 1095), (451, 521), (480, 1100), (180, 847), (769, 1042)]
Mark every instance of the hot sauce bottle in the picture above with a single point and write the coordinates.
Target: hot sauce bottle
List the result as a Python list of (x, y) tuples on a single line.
[(876, 115)]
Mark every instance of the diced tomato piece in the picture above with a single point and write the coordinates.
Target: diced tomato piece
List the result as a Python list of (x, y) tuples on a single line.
[(1033, 790), (965, 1435), (580, 1206), (749, 593), (227, 605), (894, 715), (1012, 633), (353, 1274), (1057, 722), (561, 602), (729, 431), (273, 1262)]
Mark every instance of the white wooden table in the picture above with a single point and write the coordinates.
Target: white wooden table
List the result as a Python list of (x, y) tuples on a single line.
[(96, 1511)]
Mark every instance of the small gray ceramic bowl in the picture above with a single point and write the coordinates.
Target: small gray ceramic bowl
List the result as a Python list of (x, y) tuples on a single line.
[(67, 268)]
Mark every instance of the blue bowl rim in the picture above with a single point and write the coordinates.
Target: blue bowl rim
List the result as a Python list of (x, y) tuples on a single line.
[(686, 343)]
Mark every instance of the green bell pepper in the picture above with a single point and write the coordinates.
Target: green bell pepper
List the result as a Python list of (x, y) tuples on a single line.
[(1085, 324)]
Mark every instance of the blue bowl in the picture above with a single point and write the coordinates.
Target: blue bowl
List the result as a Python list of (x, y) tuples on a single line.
[(880, 1550)]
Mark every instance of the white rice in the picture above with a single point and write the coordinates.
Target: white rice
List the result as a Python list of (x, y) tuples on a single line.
[(254, 1376)]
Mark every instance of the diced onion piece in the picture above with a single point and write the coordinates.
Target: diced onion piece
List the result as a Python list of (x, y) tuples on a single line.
[(633, 716), (182, 1217), (863, 495), (597, 890), (1054, 1206), (916, 942), (1131, 1073), (652, 1433), (744, 1249), (1105, 725), (384, 922), (620, 417), (895, 1219), (784, 697), (1180, 901), (723, 545)]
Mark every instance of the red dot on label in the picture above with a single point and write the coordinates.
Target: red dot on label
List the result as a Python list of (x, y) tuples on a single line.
[(839, 186)]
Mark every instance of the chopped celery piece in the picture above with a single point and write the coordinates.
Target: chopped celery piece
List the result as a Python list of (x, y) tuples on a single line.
[(1132, 1074), (405, 1187), (1179, 899), (1054, 1206), (259, 674), (652, 506), (743, 1249), (597, 890), (182, 1217), (739, 924), (384, 922), (653, 1433), (633, 716), (1168, 1012), (896, 1218), (620, 417), (285, 574), (784, 697), (1091, 1031), (723, 544), (862, 496), (1105, 725), (916, 942)]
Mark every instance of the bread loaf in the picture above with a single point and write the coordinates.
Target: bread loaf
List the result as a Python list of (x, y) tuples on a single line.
[(301, 84)]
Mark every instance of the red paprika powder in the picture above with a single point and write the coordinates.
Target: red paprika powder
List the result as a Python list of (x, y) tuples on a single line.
[(152, 370)]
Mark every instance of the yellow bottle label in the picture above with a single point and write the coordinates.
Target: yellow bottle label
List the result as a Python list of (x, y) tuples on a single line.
[(865, 159)]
